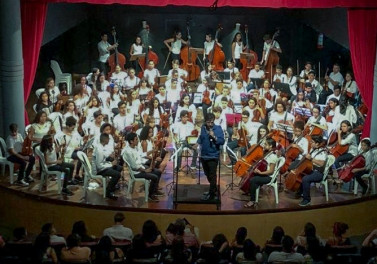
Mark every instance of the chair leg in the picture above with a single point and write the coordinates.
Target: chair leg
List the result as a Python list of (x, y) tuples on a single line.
[(3, 169), (356, 185), (104, 184), (276, 193), (257, 195), (131, 184), (326, 190), (373, 183), (59, 181), (146, 184), (11, 173)]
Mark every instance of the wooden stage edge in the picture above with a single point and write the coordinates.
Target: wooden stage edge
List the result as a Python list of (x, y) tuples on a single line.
[(30, 210)]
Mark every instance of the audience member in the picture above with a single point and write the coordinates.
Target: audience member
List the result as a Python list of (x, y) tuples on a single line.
[(339, 229), (118, 232), (74, 252), (80, 229), (178, 254), (50, 229), (42, 250), (105, 253), (249, 253), (288, 254)]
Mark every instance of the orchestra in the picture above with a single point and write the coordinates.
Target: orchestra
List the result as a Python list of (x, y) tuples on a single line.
[(128, 113)]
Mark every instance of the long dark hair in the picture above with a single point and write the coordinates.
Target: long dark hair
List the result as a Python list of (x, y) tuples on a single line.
[(40, 98), (38, 116), (343, 103), (151, 106), (259, 129), (46, 143), (103, 250), (144, 132), (150, 231), (181, 102), (41, 244)]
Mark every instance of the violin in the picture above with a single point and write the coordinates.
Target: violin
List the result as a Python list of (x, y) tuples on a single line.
[(116, 58), (206, 97), (188, 57), (251, 58), (216, 57), (256, 115), (164, 120), (27, 148)]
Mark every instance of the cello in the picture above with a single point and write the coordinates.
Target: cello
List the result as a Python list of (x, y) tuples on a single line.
[(149, 55), (251, 57), (216, 57), (337, 149), (291, 154), (189, 59), (272, 59), (294, 178), (116, 58)]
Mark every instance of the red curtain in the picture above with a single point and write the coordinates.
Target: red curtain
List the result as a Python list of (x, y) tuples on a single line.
[(362, 24), (33, 17)]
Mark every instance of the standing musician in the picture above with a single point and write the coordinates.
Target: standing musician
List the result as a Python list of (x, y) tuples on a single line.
[(104, 48), (335, 78), (263, 177), (346, 137), (210, 139), (133, 157), (269, 45), (209, 45), (318, 156), (136, 49), (151, 73), (175, 45), (103, 156), (14, 148), (368, 156), (54, 163), (181, 131), (237, 49)]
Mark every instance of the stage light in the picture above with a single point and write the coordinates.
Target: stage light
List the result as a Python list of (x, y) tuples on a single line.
[(238, 25)]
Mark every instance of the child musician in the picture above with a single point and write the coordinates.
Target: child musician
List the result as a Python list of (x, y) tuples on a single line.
[(299, 142), (263, 177), (346, 137), (14, 146), (103, 158), (318, 156)]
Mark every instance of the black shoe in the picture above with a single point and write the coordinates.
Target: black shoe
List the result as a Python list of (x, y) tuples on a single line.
[(111, 196), (78, 179), (153, 198), (73, 182), (29, 179), (67, 192), (159, 193)]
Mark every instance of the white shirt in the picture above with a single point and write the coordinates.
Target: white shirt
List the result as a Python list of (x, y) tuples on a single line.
[(102, 50), (351, 87), (151, 75), (272, 158), (72, 141), (237, 50), (312, 120), (349, 115), (173, 95), (120, 122), (351, 140), (14, 143), (332, 96), (99, 157), (191, 108), (118, 78), (337, 77), (253, 74), (118, 232), (138, 49), (183, 130), (133, 157), (53, 93), (282, 77), (51, 156), (41, 130), (131, 83), (292, 84), (304, 144), (176, 46), (266, 47), (208, 46), (276, 117)]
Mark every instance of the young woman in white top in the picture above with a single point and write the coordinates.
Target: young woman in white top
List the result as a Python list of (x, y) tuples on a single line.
[(41, 127), (299, 100), (81, 98), (70, 110), (93, 105), (146, 142), (102, 83), (291, 80), (316, 118), (237, 49), (175, 45), (346, 137), (44, 103), (257, 114), (155, 110), (132, 80), (54, 163), (92, 77), (133, 103), (118, 76), (136, 49), (52, 90), (350, 87), (280, 115), (267, 93), (185, 104), (206, 72), (115, 97), (144, 89)]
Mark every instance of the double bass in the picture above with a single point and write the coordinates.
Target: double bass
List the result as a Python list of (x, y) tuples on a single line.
[(216, 57), (149, 56), (189, 57), (272, 59), (116, 58), (251, 57)]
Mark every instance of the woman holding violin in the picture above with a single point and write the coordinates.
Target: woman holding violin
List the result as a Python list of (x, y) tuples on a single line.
[(318, 157), (263, 177), (175, 45), (154, 110), (185, 104), (41, 127), (268, 93), (317, 119), (345, 137), (147, 146), (329, 112), (280, 115), (257, 114), (71, 110), (261, 133)]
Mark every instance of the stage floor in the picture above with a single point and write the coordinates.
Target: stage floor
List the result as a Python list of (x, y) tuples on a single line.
[(231, 201)]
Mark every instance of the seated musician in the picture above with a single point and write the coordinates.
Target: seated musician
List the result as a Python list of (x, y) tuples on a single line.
[(54, 163), (235, 95), (52, 90), (255, 73), (233, 142), (309, 93), (267, 93), (154, 109), (335, 95), (106, 128), (261, 133), (305, 72), (299, 101), (118, 76), (41, 127), (14, 148), (238, 83), (173, 92), (299, 142), (72, 141), (92, 77), (132, 155), (94, 127), (224, 104), (182, 74), (44, 103), (318, 155), (162, 95), (185, 104), (346, 137), (144, 89), (70, 110), (257, 114), (344, 111), (368, 155), (280, 115), (122, 120), (279, 75), (231, 68), (181, 131), (151, 73), (263, 177), (132, 80), (292, 81), (225, 93), (317, 88), (316, 118), (103, 158)]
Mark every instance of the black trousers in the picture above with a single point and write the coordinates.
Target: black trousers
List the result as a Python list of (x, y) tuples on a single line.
[(210, 170), (114, 173), (255, 182), (154, 176), (358, 178), (75, 157), (67, 168), (21, 172)]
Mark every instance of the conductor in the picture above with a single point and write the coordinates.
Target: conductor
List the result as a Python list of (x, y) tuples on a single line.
[(210, 139)]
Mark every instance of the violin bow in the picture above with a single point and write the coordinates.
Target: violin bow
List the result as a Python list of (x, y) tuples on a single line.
[(166, 62)]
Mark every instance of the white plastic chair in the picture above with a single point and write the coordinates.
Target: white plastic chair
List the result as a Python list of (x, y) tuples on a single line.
[(273, 183), (371, 178), (61, 77), (39, 91), (46, 172), (133, 180), (89, 173), (35, 108), (329, 163), (4, 161)]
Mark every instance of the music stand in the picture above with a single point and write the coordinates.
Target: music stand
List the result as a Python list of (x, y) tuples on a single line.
[(283, 87), (137, 56), (258, 82), (175, 169), (231, 184), (305, 112), (224, 76)]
